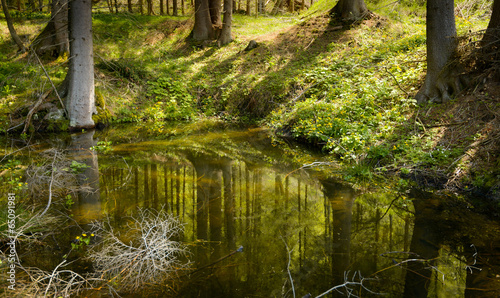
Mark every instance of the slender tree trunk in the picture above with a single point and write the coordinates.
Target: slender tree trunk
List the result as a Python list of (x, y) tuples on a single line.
[(350, 10), (162, 11), (225, 36), (80, 102), (182, 7), (441, 44), (491, 38), (110, 6), (129, 6), (150, 7), (141, 9), (248, 7), (12, 30), (174, 8), (168, 7)]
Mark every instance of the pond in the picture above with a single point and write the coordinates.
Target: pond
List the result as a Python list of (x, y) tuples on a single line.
[(258, 223)]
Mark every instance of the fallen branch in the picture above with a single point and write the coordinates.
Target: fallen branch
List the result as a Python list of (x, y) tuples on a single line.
[(348, 284), (34, 109)]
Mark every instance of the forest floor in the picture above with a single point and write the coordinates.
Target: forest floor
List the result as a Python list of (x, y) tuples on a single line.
[(346, 89)]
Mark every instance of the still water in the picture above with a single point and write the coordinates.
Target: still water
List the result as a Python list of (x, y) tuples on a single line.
[(260, 224)]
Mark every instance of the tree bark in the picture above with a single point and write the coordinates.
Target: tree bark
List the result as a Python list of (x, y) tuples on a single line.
[(81, 102), (441, 44), (12, 30), (129, 6), (350, 10), (215, 16), (54, 41), (175, 11), (202, 23), (225, 36), (491, 38)]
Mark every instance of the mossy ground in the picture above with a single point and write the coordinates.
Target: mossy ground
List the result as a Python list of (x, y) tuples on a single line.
[(344, 88)]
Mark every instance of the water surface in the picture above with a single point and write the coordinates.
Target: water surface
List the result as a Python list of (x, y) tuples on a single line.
[(300, 229)]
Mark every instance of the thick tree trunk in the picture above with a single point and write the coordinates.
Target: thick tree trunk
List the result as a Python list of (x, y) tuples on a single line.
[(439, 83), (350, 10), (202, 23), (80, 101), (225, 34), (12, 31)]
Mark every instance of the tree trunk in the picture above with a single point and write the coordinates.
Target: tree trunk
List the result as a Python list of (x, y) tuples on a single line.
[(215, 16), (81, 102), (110, 6), (129, 5), (53, 41), (162, 11), (491, 38), (202, 24), (225, 34), (350, 10), (174, 8), (150, 7), (441, 44), (12, 31)]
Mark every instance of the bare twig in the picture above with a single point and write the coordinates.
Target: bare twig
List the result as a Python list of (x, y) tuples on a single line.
[(150, 257), (50, 185), (288, 266), (51, 83), (348, 284)]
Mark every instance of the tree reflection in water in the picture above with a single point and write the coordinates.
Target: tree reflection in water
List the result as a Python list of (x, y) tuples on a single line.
[(249, 194)]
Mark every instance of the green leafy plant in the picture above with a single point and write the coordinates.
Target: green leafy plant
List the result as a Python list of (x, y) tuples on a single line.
[(77, 167), (102, 146), (68, 201), (81, 241)]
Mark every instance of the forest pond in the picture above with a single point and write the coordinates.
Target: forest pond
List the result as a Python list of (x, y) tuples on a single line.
[(263, 220)]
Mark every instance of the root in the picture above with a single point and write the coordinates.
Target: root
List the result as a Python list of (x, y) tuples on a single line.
[(448, 85)]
